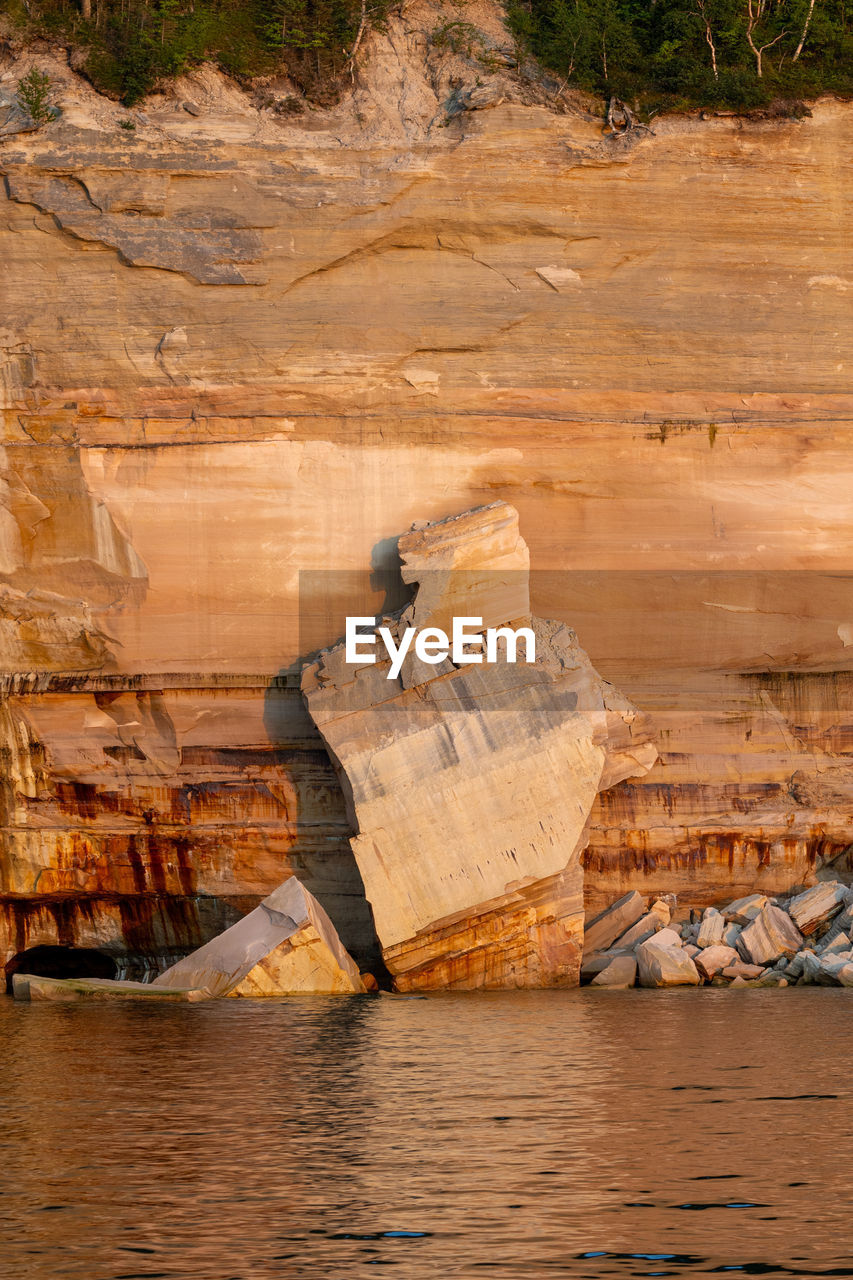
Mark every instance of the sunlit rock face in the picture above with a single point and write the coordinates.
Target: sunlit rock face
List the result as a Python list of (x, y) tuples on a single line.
[(286, 946), (238, 347), (470, 784)]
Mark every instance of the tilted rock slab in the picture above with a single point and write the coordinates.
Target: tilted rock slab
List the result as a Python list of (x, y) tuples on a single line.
[(711, 930), (772, 934), (744, 910), (813, 908), (615, 922), (658, 917), (286, 946), (620, 974), (470, 787), (28, 986)]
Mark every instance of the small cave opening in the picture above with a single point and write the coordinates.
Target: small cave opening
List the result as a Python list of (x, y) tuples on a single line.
[(61, 962)]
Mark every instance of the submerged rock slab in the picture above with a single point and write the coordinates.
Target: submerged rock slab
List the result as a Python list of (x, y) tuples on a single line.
[(286, 946), (28, 986), (470, 786)]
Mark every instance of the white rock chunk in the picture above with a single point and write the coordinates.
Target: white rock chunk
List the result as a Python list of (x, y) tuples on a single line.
[(665, 964), (657, 917), (737, 969), (668, 938)]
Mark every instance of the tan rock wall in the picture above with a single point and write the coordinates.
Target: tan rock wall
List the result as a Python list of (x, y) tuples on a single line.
[(645, 350)]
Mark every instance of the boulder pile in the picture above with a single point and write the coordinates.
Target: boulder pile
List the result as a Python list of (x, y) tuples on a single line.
[(756, 941)]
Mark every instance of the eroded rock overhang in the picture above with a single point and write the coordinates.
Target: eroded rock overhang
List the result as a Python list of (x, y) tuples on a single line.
[(470, 786)]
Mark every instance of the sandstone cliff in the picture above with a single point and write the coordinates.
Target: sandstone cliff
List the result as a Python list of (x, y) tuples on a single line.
[(240, 351), (469, 780)]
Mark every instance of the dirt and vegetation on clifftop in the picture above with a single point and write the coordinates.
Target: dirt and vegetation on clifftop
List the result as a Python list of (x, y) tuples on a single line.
[(657, 54)]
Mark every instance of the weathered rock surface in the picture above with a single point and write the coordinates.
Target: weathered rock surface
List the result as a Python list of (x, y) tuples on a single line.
[(711, 930), (183, 453), (737, 969), (657, 917), (27, 986), (286, 946), (714, 959), (470, 786), (744, 910), (13, 117), (772, 934), (665, 964), (839, 944), (813, 908), (620, 973), (614, 921), (811, 967), (731, 933)]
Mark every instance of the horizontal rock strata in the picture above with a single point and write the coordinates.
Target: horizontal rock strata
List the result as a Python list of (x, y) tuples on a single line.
[(644, 349)]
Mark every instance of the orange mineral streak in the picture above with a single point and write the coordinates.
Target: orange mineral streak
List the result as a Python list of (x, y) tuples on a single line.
[(644, 347)]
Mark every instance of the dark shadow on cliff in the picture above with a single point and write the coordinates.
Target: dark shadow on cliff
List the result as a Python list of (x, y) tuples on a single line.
[(320, 854)]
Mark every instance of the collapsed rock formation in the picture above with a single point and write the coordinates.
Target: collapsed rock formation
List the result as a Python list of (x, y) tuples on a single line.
[(470, 786), (754, 941), (639, 343), (29, 986), (286, 946)]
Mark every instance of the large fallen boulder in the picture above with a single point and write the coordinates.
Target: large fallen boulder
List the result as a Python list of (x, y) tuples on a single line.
[(664, 963), (657, 917), (811, 909), (286, 946), (711, 929), (712, 960), (772, 934), (621, 973), (612, 923), (469, 783), (594, 962), (744, 910)]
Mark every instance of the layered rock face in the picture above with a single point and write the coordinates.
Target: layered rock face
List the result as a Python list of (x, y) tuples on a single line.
[(470, 785), (239, 348)]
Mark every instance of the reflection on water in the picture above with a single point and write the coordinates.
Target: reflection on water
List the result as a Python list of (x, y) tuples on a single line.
[(532, 1134)]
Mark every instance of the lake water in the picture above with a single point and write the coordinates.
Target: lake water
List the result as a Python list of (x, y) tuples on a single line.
[(519, 1135)]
